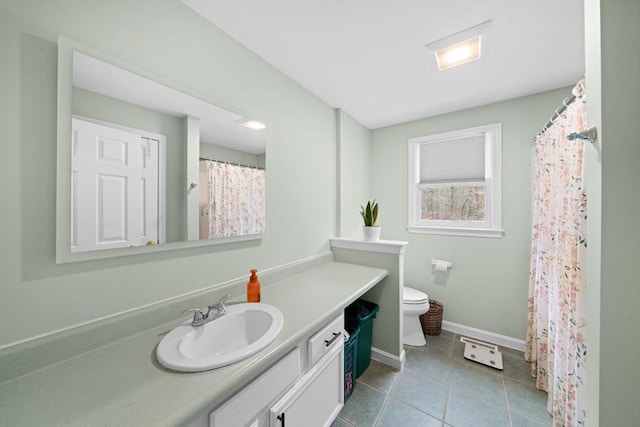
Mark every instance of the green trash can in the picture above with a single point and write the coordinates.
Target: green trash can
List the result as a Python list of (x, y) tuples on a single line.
[(361, 313), (350, 360)]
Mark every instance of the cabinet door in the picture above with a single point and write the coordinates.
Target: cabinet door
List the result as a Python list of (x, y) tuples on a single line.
[(247, 407), (317, 398)]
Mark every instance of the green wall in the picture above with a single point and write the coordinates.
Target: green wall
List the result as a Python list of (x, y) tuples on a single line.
[(388, 324), (168, 40), (488, 284), (613, 178), (354, 168)]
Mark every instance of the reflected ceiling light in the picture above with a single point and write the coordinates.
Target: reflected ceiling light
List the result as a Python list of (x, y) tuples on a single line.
[(462, 47), (252, 124)]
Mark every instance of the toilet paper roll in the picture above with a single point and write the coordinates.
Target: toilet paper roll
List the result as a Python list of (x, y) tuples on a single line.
[(441, 265)]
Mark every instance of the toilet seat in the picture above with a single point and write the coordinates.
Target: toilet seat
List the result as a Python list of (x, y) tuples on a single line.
[(413, 296)]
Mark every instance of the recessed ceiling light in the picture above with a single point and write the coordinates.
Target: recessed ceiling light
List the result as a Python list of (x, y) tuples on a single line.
[(252, 124), (462, 47), (458, 54)]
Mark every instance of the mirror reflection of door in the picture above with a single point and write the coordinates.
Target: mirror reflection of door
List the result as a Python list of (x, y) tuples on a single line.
[(115, 187)]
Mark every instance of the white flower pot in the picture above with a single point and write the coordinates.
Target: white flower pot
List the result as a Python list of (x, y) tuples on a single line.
[(371, 234)]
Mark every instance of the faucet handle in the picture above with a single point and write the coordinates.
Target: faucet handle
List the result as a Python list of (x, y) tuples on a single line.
[(219, 307), (198, 316)]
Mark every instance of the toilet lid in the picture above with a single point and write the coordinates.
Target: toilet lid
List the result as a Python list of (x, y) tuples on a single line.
[(414, 296)]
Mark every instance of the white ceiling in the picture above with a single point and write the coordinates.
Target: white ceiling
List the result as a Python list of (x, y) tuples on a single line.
[(368, 57)]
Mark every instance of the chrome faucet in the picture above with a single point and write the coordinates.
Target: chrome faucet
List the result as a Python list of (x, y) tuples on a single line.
[(218, 310), (198, 316), (214, 312)]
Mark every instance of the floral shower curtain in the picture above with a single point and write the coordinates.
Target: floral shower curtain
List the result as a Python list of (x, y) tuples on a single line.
[(236, 200), (555, 343)]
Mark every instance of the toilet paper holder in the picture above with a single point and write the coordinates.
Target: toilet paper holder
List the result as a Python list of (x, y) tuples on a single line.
[(441, 265)]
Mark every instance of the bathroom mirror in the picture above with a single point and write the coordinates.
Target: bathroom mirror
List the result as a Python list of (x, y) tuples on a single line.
[(145, 167)]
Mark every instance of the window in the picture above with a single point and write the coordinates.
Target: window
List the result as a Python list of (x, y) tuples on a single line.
[(454, 182)]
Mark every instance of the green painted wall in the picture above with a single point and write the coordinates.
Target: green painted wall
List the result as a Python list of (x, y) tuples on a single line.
[(170, 41), (488, 284), (388, 324), (93, 105), (354, 168), (613, 179)]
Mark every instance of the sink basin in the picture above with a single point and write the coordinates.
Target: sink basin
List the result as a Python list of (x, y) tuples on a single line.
[(246, 329)]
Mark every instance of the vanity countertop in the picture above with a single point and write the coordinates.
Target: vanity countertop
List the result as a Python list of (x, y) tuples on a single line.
[(122, 384)]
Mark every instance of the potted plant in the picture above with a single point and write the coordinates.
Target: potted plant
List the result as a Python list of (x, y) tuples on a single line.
[(370, 216)]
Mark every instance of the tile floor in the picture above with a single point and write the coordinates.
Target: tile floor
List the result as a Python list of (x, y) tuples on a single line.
[(438, 387)]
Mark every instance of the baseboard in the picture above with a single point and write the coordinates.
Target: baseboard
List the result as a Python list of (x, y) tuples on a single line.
[(479, 334), (388, 358)]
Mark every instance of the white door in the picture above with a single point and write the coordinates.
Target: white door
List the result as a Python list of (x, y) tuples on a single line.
[(114, 188), (149, 217)]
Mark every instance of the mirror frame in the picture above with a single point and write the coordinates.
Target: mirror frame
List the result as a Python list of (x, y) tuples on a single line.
[(66, 47)]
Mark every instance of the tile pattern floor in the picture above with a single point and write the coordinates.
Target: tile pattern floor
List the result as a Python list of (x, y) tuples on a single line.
[(438, 387)]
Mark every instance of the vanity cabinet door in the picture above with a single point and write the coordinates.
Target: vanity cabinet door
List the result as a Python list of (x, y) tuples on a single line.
[(249, 406), (317, 398)]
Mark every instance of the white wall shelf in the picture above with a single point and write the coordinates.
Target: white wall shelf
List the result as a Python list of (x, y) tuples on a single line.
[(383, 246)]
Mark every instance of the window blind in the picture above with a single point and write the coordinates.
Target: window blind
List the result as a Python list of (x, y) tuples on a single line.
[(459, 160)]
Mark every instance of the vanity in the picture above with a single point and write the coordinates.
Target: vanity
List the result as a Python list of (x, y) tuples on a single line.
[(122, 383), (305, 388)]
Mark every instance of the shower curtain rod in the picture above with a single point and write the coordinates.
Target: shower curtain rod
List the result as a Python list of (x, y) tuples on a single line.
[(567, 101), (232, 163), (589, 134)]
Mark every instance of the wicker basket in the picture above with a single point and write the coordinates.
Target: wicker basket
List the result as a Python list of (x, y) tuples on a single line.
[(431, 321)]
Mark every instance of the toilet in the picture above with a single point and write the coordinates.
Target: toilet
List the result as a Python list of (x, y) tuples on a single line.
[(414, 304)]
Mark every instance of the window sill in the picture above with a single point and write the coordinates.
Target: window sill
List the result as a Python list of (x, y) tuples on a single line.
[(494, 233)]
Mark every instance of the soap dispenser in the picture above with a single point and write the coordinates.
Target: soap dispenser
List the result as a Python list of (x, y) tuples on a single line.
[(253, 287)]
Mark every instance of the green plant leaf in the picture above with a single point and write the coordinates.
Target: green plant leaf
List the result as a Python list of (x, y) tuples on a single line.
[(374, 218), (369, 213)]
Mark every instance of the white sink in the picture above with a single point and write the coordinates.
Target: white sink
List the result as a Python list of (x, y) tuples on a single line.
[(246, 329)]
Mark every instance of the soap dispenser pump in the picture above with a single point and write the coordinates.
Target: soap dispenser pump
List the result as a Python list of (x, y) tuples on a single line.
[(253, 287)]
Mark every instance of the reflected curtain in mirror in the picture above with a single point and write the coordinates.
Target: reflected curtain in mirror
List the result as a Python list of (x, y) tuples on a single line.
[(235, 203)]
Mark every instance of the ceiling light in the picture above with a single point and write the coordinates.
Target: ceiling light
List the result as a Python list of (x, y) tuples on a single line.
[(462, 47), (458, 54), (252, 124)]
